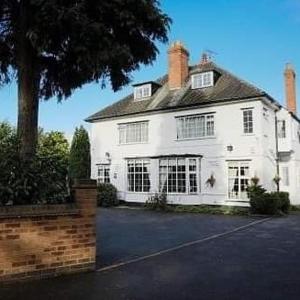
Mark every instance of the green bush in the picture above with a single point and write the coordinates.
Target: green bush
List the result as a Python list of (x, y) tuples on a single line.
[(271, 203), (157, 202), (40, 180), (107, 195), (264, 204), (283, 201)]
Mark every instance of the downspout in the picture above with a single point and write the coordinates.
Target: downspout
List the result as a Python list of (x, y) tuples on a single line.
[(276, 149)]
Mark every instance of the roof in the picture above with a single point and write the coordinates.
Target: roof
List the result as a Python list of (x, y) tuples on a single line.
[(227, 87)]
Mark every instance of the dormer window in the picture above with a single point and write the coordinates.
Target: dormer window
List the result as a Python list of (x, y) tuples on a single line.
[(142, 92), (202, 80)]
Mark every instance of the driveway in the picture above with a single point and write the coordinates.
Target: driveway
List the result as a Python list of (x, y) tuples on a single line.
[(124, 234), (182, 256)]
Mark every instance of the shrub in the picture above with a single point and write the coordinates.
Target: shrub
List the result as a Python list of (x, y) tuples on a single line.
[(40, 180), (157, 202), (283, 201), (107, 195), (254, 189), (265, 204), (262, 202)]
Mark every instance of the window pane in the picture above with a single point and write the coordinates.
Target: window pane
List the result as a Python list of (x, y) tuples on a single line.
[(210, 125), (193, 183), (133, 133), (285, 176), (202, 80), (248, 120), (281, 129), (195, 126), (138, 175), (238, 180), (192, 165), (175, 175)]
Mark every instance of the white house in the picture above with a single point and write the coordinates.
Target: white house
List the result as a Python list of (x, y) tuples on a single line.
[(199, 134)]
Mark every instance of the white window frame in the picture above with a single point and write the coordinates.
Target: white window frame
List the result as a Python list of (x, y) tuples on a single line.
[(133, 133), (142, 92), (103, 173), (142, 173), (285, 171), (281, 129), (239, 178), (189, 127), (202, 80), (248, 121), (187, 176)]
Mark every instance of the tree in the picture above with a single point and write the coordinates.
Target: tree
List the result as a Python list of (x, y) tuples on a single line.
[(53, 47), (54, 144), (80, 157)]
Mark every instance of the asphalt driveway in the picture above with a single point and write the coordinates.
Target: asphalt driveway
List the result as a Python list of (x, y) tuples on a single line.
[(124, 234), (229, 260)]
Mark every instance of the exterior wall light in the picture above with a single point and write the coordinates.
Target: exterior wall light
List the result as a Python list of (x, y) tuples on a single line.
[(229, 148)]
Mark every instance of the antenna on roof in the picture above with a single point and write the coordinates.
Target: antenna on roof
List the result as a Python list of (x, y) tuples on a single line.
[(207, 55)]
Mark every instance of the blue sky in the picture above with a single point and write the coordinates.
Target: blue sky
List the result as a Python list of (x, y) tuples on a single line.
[(253, 39)]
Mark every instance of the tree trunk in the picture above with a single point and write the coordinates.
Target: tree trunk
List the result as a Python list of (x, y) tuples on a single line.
[(28, 106), (28, 90)]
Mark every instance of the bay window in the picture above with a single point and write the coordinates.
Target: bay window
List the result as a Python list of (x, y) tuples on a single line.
[(138, 175)]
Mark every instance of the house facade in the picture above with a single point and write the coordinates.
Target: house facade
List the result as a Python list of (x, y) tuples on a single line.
[(199, 134)]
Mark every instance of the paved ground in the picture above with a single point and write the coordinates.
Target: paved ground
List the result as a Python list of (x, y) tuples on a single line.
[(258, 262), (125, 234)]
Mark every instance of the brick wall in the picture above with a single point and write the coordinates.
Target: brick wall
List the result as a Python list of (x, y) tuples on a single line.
[(43, 241), (178, 65)]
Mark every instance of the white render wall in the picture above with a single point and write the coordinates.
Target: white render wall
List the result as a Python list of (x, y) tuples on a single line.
[(290, 148), (258, 148)]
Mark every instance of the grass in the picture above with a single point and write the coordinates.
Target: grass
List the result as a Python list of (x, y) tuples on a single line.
[(210, 209)]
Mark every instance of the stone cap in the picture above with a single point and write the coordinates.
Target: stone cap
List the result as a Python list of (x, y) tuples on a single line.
[(22, 211), (84, 184)]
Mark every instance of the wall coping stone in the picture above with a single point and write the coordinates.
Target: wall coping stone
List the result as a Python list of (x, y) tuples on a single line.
[(84, 184), (39, 210)]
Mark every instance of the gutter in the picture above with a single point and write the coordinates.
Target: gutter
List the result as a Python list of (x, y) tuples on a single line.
[(276, 149)]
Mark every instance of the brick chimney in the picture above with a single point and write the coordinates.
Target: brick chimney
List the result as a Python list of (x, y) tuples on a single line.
[(290, 88), (178, 65)]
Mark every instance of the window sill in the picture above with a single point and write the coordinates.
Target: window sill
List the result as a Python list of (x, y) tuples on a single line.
[(171, 194), (248, 134), (237, 200), (138, 143), (199, 138)]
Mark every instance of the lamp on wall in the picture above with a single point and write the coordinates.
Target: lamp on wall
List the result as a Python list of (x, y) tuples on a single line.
[(230, 148)]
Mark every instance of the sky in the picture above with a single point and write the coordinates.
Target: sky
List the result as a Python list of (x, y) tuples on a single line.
[(252, 39)]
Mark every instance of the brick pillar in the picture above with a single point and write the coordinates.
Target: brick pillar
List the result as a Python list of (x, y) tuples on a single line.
[(86, 200), (290, 88)]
